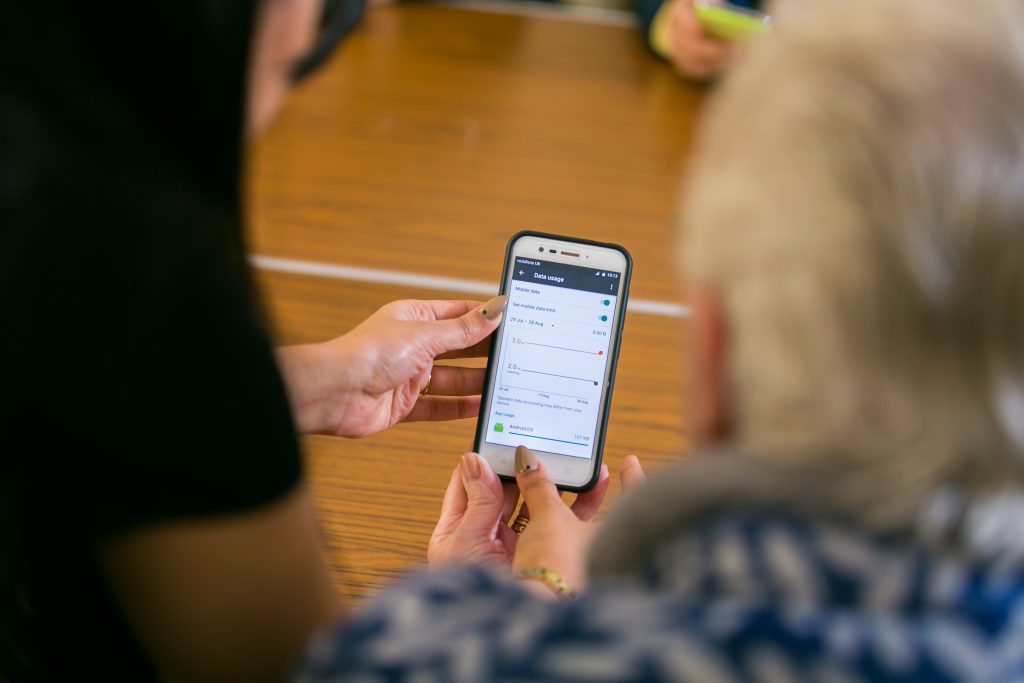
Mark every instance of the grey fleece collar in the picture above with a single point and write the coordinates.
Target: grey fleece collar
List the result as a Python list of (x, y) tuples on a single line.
[(711, 483)]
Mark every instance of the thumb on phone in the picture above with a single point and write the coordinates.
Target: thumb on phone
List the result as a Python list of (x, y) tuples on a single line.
[(468, 329), (535, 485)]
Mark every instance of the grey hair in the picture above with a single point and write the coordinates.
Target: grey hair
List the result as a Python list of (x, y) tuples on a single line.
[(857, 201)]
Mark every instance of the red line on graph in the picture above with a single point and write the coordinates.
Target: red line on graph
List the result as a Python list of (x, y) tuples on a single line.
[(591, 353)]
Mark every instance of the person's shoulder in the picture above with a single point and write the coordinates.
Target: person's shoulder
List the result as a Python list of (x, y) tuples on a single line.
[(783, 558), (768, 593), (482, 625), (417, 625)]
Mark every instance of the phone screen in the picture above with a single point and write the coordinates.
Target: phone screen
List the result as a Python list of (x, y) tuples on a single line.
[(553, 357)]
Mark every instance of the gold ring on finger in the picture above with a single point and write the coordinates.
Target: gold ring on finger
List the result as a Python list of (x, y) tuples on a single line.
[(519, 524)]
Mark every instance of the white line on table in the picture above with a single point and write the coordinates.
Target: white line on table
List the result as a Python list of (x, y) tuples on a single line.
[(417, 280)]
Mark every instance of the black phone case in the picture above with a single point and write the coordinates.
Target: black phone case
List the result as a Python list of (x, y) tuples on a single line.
[(481, 423)]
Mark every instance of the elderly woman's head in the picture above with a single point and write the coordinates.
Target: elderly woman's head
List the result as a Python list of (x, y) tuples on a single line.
[(855, 236)]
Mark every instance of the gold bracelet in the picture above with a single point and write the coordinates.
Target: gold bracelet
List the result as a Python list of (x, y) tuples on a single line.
[(550, 579)]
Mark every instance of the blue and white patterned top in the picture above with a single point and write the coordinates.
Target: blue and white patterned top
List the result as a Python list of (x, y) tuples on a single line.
[(736, 597)]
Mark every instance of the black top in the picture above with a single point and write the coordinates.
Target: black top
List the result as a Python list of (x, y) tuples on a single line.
[(136, 382)]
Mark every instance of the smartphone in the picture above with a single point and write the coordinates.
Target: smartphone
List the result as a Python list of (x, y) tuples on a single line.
[(551, 368), (730, 22)]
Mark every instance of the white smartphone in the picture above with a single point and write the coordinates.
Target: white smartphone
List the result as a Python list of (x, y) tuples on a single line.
[(552, 363)]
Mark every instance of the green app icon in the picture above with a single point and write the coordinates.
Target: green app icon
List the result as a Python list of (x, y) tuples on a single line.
[(498, 427)]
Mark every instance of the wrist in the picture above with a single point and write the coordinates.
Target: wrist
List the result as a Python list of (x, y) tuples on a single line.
[(537, 589), (566, 561), (303, 368), (547, 583)]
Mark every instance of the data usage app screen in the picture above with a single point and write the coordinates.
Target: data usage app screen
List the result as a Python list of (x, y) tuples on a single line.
[(553, 354)]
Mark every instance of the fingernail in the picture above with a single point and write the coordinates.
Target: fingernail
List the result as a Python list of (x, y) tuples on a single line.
[(471, 465), (493, 308), (525, 460)]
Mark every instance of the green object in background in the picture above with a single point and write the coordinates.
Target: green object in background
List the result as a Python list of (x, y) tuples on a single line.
[(730, 23)]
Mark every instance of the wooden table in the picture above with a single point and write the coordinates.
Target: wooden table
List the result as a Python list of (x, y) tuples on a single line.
[(436, 133)]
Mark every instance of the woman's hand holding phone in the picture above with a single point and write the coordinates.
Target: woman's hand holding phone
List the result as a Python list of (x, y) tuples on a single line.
[(371, 378), (473, 527), (558, 537)]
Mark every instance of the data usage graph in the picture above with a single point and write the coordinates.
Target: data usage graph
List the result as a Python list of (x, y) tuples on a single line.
[(553, 355)]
